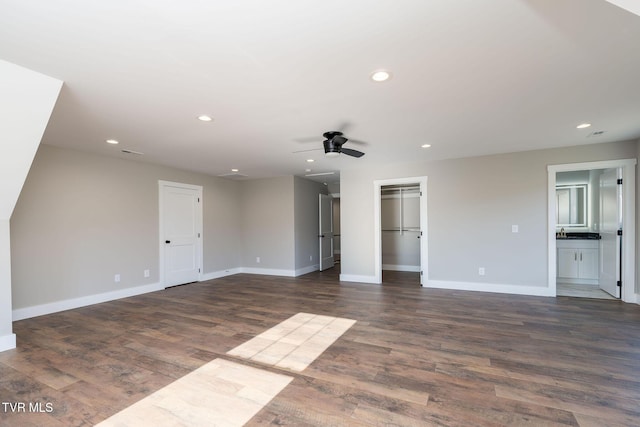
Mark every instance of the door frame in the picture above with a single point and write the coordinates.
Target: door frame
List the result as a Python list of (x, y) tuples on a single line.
[(628, 255), (320, 232), (377, 225), (198, 188)]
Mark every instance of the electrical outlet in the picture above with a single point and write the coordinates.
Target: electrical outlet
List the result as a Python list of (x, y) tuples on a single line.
[(146, 273), (514, 228), (481, 271), (310, 257), (116, 278), (258, 259)]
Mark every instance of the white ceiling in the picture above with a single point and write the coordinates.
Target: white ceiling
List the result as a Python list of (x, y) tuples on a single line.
[(469, 77)]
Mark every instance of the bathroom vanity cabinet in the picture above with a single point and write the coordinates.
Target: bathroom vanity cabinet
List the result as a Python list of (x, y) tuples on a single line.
[(577, 261)]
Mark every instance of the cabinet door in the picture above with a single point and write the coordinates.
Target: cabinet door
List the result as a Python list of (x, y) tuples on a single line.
[(588, 268), (568, 263)]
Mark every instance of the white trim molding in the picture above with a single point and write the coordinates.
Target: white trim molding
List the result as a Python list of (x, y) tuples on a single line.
[(7, 342), (69, 304), (261, 271), (219, 274), (359, 278), (540, 291), (268, 271)]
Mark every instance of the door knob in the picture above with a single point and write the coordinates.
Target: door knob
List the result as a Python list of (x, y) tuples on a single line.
[(167, 241)]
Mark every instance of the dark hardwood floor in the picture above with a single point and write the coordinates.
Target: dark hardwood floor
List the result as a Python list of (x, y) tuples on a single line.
[(415, 356)]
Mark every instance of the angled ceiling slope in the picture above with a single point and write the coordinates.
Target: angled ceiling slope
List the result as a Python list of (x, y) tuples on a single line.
[(26, 102)]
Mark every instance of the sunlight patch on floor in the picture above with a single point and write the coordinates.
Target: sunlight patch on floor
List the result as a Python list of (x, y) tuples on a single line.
[(294, 343)]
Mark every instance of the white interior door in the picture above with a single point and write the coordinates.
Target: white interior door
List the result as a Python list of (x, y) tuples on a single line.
[(325, 235), (610, 223), (181, 225)]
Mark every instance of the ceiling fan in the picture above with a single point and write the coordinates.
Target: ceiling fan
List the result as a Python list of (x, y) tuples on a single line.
[(334, 140), (333, 145)]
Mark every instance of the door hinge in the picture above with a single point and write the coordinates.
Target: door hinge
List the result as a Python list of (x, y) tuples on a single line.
[(620, 232), (198, 235), (619, 283), (198, 270), (421, 272), (619, 181), (421, 193)]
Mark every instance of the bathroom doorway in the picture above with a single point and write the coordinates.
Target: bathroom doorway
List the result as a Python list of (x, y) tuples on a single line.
[(591, 229)]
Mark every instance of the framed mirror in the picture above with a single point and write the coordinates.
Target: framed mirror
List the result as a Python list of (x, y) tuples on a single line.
[(571, 205)]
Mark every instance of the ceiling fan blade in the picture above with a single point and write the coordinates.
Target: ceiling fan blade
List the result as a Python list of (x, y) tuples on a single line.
[(339, 140), (308, 139), (353, 153), (357, 141), (304, 151)]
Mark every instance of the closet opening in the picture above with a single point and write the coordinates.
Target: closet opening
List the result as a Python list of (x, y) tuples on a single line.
[(401, 234), (400, 218)]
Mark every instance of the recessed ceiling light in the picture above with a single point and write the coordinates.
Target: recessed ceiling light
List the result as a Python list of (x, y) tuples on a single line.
[(583, 125), (426, 145), (380, 76), (112, 141), (234, 170), (307, 170), (310, 160), (204, 118)]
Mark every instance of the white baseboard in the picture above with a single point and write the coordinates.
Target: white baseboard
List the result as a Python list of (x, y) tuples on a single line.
[(541, 291), (268, 271), (7, 342), (394, 267), (54, 307), (263, 271), (358, 278), (221, 273), (306, 270)]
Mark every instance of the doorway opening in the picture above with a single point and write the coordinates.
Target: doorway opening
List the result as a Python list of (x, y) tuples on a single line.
[(400, 221), (592, 229)]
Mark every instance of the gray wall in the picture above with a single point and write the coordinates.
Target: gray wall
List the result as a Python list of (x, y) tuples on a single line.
[(472, 204), (82, 218), (306, 213), (267, 222)]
